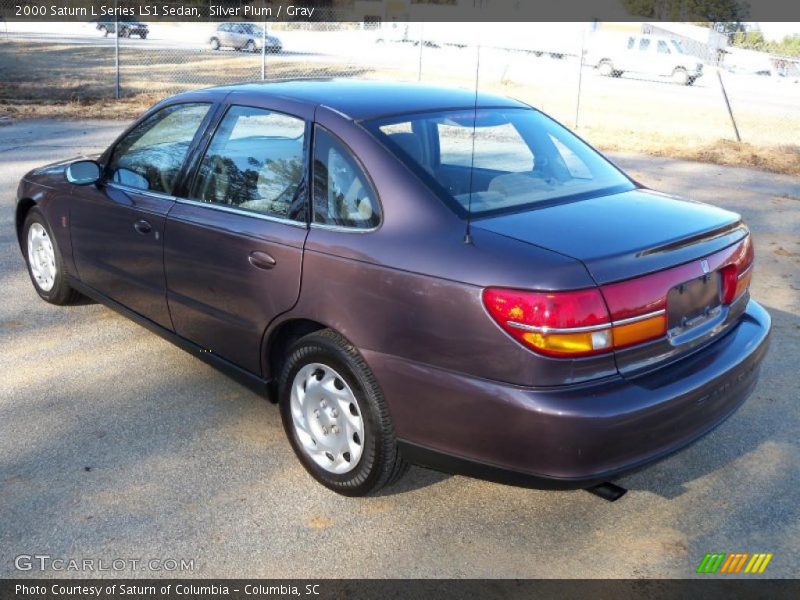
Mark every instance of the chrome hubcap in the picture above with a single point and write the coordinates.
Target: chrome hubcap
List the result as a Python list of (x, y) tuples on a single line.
[(41, 257), (327, 418)]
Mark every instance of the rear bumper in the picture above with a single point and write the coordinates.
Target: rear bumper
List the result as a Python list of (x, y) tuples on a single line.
[(572, 436)]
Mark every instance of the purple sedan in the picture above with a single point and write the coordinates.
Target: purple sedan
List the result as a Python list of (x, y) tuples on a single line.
[(415, 274)]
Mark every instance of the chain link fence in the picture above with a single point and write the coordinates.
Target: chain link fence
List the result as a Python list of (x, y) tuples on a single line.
[(641, 87)]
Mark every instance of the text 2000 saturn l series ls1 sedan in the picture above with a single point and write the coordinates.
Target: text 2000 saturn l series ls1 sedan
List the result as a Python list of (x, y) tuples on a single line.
[(417, 274)]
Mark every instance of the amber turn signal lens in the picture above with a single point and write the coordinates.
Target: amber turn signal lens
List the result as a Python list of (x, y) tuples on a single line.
[(743, 283), (640, 331), (569, 344)]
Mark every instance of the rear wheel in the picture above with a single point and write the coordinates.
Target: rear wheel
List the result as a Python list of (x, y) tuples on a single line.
[(250, 46), (143, 35), (45, 265), (605, 68), (335, 416), (214, 44)]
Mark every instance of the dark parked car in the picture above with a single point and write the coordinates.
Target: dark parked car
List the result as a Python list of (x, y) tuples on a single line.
[(415, 275), (126, 28)]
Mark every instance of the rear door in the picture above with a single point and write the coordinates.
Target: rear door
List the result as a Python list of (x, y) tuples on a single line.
[(234, 243), (237, 36)]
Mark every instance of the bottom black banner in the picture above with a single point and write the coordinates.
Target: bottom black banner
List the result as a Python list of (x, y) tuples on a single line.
[(240, 589)]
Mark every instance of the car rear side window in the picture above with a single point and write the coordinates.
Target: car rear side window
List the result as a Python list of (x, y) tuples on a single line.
[(151, 155), (343, 196), (255, 162)]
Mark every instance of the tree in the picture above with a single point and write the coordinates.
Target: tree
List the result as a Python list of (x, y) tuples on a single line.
[(712, 11), (751, 40)]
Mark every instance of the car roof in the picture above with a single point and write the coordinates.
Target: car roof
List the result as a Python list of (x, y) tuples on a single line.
[(361, 99)]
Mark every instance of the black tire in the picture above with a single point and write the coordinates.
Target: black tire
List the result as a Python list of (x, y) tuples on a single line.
[(214, 43), (125, 32), (380, 463), (143, 36), (250, 46), (61, 293)]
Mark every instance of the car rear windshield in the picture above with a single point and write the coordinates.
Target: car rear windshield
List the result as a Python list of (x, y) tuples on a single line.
[(498, 160)]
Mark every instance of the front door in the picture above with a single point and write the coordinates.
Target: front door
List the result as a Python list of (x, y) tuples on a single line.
[(117, 226), (234, 245)]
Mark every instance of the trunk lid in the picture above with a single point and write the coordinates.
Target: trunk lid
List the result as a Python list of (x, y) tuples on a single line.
[(624, 235)]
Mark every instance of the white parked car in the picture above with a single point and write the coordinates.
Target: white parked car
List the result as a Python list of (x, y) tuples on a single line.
[(244, 36), (644, 55)]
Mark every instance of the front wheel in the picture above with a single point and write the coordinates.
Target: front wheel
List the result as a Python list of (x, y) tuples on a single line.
[(250, 46), (335, 416), (680, 76), (45, 265)]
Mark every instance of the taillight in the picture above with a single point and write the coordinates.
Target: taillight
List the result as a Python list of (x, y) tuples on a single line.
[(573, 323), (737, 274), (576, 323), (613, 316)]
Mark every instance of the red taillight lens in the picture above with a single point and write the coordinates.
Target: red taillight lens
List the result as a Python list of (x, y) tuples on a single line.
[(736, 275), (547, 309), (573, 323)]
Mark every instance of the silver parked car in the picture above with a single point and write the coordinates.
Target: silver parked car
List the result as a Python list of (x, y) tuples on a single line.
[(644, 55), (243, 36)]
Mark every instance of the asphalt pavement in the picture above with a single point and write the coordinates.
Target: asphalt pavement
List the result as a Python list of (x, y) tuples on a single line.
[(115, 444)]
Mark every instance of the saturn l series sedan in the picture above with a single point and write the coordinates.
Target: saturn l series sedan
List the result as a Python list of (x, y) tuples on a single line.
[(415, 274)]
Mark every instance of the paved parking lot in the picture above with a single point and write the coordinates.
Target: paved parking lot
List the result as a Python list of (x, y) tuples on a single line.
[(115, 444)]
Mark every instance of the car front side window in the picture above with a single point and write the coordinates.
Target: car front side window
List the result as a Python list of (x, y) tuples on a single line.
[(151, 155), (343, 195), (255, 162)]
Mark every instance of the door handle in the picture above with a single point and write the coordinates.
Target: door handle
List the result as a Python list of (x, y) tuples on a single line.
[(143, 227), (261, 260)]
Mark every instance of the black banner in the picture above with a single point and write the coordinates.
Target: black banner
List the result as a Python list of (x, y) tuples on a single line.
[(377, 11), (241, 589)]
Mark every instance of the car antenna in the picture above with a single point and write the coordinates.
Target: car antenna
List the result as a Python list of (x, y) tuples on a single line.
[(468, 232)]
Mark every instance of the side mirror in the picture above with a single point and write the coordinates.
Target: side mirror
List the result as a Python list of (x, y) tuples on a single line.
[(83, 172)]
